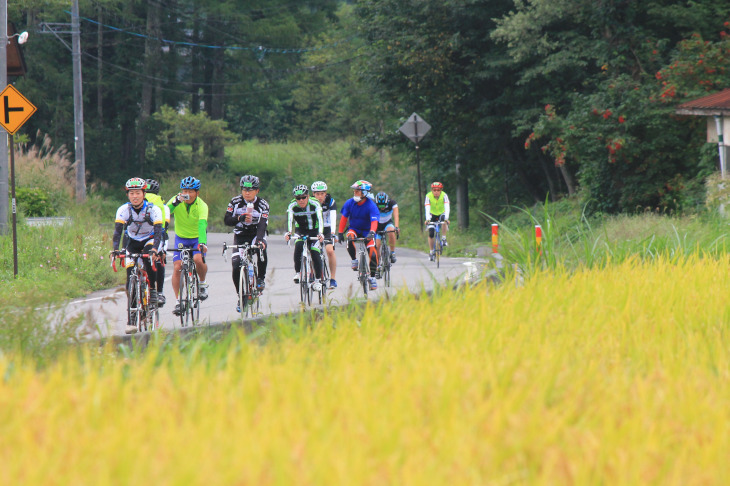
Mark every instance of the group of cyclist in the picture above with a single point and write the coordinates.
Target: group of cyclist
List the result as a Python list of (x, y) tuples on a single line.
[(141, 226)]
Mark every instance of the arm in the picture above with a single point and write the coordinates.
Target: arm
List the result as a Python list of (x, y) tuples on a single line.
[(118, 230), (343, 224), (263, 222), (447, 207), (229, 219), (396, 216), (290, 219), (320, 220), (427, 204)]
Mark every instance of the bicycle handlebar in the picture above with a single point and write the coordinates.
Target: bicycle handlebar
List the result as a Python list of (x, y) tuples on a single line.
[(246, 246), (123, 256)]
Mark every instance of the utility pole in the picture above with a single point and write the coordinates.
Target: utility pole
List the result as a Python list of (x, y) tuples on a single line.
[(4, 176), (78, 105)]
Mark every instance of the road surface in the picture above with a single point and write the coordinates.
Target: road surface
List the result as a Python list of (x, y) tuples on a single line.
[(106, 309)]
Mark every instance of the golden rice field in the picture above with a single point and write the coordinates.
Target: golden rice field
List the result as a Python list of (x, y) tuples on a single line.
[(618, 376)]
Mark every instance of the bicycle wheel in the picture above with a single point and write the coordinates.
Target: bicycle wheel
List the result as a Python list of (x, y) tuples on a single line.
[(253, 304), (184, 299), (242, 289), (304, 287), (134, 307), (144, 292), (250, 289), (385, 261), (194, 296), (363, 273)]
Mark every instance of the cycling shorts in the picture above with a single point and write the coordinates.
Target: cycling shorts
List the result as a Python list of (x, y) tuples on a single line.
[(387, 226), (186, 243)]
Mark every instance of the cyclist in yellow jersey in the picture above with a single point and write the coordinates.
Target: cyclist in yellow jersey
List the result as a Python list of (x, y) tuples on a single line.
[(437, 209), (153, 195), (191, 230)]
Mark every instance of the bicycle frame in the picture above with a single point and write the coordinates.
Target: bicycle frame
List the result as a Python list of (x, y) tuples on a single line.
[(384, 263), (248, 292), (141, 313), (437, 245), (307, 274), (363, 270), (189, 290)]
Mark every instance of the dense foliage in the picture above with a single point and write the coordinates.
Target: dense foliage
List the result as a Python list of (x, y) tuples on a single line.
[(527, 98)]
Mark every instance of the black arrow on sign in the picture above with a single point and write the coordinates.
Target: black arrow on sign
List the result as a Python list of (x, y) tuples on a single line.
[(8, 109)]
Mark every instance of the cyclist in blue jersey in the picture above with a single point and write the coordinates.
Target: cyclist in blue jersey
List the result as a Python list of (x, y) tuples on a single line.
[(363, 215)]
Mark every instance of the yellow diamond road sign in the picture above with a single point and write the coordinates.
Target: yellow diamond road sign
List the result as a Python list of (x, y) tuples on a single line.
[(15, 109)]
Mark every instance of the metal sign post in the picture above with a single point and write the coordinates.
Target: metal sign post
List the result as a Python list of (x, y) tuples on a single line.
[(415, 128), (15, 110)]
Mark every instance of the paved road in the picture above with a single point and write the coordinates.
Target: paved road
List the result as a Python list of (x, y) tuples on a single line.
[(107, 308)]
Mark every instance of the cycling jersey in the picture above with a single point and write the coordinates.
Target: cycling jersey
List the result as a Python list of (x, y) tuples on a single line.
[(191, 220), (140, 224), (386, 212), (157, 201), (437, 207), (329, 211), (306, 219), (363, 216), (259, 222)]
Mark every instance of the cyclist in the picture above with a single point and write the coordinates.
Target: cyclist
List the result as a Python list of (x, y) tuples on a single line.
[(363, 216), (389, 219), (141, 223), (153, 196), (249, 216), (329, 216), (437, 209), (305, 217), (191, 225)]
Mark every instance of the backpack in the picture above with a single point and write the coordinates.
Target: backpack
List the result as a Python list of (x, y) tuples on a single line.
[(147, 217)]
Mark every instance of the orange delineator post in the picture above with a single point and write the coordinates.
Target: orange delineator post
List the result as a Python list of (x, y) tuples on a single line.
[(538, 238), (495, 238)]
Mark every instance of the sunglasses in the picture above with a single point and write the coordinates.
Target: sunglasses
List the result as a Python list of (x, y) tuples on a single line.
[(248, 189), (299, 198)]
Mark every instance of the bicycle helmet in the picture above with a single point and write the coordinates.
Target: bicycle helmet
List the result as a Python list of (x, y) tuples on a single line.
[(364, 186), (153, 186), (136, 183), (300, 190), (381, 199), (249, 182), (190, 183), (437, 185), (319, 186)]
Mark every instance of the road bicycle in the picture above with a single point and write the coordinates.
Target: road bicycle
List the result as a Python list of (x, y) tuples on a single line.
[(438, 244), (188, 296), (363, 269), (248, 291), (141, 312), (385, 263), (307, 274)]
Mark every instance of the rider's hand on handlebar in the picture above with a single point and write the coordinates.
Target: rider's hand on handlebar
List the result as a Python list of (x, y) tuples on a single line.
[(203, 248), (397, 232), (320, 237), (287, 236), (340, 237), (371, 235)]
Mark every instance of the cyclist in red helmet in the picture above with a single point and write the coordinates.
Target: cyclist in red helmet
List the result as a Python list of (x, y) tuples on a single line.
[(437, 209)]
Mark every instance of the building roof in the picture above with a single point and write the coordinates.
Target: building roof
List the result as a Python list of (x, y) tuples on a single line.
[(714, 104)]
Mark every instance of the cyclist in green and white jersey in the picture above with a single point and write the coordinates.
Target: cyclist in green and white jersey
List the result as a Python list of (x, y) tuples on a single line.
[(191, 230), (437, 209)]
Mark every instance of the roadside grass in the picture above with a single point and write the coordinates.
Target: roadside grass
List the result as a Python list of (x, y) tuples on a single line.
[(608, 375)]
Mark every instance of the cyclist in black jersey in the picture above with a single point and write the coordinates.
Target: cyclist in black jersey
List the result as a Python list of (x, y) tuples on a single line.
[(329, 217), (305, 218), (249, 216)]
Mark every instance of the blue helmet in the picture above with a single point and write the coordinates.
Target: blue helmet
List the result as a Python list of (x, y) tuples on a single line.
[(190, 183)]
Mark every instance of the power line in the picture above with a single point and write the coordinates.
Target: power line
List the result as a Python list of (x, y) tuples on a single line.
[(260, 50)]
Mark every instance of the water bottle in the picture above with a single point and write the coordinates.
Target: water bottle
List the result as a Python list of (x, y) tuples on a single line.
[(249, 209), (250, 272)]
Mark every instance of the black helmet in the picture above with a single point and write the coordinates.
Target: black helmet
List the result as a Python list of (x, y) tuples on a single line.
[(153, 186), (381, 199), (249, 182)]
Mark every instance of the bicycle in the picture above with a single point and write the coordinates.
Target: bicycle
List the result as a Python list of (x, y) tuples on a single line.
[(438, 246), (385, 263), (248, 291), (307, 274), (363, 270), (141, 313), (189, 294)]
